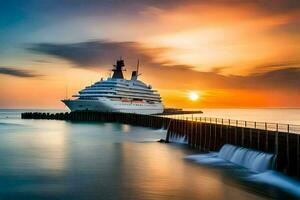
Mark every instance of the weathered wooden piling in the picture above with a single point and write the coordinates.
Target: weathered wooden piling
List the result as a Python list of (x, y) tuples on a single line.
[(207, 134)]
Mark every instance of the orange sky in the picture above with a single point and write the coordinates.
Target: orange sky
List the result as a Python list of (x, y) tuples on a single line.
[(232, 53)]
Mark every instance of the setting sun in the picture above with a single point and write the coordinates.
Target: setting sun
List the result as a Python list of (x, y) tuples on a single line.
[(194, 96)]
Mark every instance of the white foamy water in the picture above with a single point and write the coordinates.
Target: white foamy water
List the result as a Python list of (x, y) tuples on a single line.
[(230, 155), (178, 139), (278, 180), (162, 130), (253, 160)]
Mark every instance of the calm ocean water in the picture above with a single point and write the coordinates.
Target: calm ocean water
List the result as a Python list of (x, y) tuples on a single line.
[(49, 159)]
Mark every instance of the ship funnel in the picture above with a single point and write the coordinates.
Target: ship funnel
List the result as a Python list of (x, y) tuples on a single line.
[(134, 75)]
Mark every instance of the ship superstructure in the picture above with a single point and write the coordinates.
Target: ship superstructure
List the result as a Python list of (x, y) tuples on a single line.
[(117, 94)]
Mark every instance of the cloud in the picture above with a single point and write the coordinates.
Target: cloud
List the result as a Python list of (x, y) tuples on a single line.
[(183, 77), (267, 67), (283, 75), (18, 72), (287, 78), (42, 61), (96, 53)]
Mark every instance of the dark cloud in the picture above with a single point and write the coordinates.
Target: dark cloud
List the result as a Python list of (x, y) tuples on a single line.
[(18, 72), (276, 66), (281, 78), (274, 6), (99, 53), (42, 61), (292, 26)]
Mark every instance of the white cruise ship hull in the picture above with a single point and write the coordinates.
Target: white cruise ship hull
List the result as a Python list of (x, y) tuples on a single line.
[(107, 105)]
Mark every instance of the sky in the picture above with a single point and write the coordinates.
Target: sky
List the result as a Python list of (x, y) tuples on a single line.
[(232, 53)]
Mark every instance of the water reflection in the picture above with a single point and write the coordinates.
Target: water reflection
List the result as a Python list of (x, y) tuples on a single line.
[(45, 159), (157, 171), (125, 128), (44, 148)]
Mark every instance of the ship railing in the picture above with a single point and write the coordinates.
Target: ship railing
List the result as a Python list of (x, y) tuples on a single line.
[(269, 126)]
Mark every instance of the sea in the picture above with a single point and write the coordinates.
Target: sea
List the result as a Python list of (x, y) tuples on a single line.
[(53, 159)]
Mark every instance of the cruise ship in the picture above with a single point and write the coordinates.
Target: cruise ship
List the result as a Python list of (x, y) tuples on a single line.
[(117, 94)]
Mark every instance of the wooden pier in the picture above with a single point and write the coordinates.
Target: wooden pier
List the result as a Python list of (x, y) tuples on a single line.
[(208, 134)]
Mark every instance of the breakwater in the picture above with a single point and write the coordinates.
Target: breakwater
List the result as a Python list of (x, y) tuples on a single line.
[(205, 135), (133, 119)]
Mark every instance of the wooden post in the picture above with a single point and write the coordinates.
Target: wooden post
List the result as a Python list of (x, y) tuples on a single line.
[(186, 127), (215, 135), (169, 131), (243, 135), (210, 136), (276, 140), (205, 134), (267, 138), (221, 133), (198, 138), (193, 131), (235, 132), (298, 155), (227, 130), (288, 153)]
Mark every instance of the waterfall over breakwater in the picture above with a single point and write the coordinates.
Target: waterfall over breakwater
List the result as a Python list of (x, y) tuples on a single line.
[(255, 161), (178, 139)]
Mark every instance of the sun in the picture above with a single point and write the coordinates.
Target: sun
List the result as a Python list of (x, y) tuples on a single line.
[(194, 96)]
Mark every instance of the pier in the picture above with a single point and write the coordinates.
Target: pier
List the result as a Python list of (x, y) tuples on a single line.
[(208, 134), (174, 111)]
